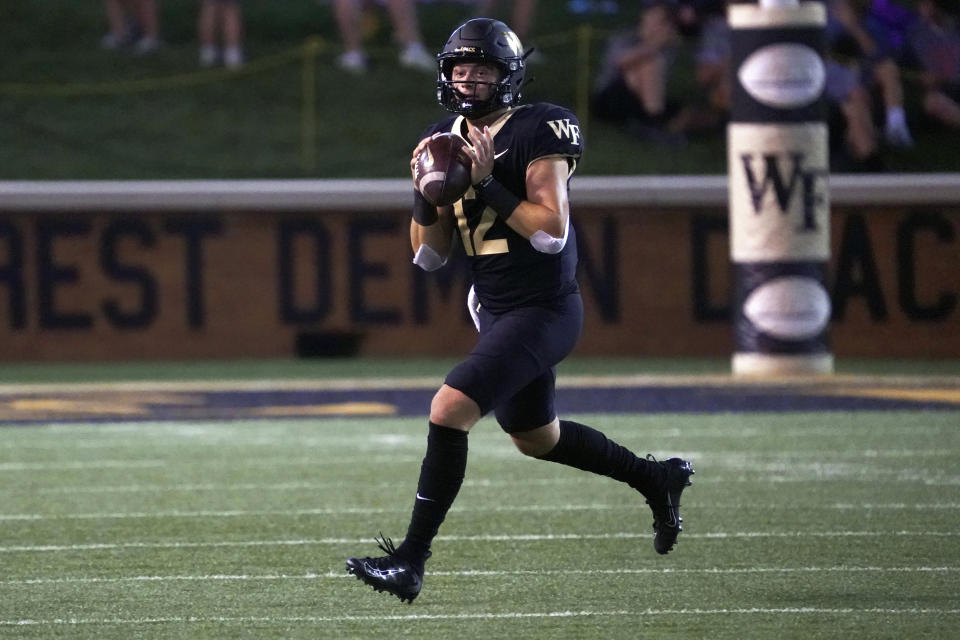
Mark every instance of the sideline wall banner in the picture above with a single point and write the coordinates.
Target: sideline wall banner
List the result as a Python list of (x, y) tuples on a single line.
[(656, 282)]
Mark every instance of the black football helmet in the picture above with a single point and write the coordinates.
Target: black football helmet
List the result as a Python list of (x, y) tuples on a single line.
[(488, 41)]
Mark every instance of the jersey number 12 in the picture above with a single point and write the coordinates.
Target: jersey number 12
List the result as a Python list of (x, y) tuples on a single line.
[(473, 239)]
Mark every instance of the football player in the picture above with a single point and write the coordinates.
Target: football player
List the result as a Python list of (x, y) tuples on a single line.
[(515, 228)]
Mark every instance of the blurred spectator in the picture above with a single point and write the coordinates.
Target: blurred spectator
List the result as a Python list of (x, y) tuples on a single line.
[(132, 22), (223, 18), (631, 88), (851, 116), (856, 41), (521, 17), (403, 15), (889, 22), (706, 21), (583, 7), (933, 47)]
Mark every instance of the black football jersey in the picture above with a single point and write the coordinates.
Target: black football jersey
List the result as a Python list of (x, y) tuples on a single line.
[(507, 271)]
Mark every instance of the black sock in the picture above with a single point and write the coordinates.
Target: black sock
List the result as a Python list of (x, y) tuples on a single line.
[(441, 475), (585, 448)]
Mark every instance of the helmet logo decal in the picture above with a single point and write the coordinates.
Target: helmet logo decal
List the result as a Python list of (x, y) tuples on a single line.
[(513, 42)]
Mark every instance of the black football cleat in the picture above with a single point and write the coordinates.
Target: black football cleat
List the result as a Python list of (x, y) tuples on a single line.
[(666, 506), (389, 573)]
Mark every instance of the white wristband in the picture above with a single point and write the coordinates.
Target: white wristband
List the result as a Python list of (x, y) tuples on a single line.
[(428, 259)]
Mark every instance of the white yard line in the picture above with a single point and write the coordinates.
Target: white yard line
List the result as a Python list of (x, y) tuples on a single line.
[(533, 537), (480, 573), (417, 617), (812, 460), (322, 511), (227, 461), (928, 478), (80, 466), (538, 508), (276, 486)]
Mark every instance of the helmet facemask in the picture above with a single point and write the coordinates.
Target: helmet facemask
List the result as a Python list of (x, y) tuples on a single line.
[(501, 90)]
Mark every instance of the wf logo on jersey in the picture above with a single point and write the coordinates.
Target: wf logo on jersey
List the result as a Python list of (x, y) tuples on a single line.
[(564, 130), (801, 179)]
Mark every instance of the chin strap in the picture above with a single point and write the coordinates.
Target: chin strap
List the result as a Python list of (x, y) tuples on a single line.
[(527, 80)]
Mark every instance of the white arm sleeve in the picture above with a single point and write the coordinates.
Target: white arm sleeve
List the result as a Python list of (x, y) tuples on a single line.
[(546, 243), (428, 259)]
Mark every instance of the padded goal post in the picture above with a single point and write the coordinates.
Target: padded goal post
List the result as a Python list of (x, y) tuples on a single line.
[(779, 206)]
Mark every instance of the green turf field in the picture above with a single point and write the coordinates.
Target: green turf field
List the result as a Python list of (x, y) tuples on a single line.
[(798, 525)]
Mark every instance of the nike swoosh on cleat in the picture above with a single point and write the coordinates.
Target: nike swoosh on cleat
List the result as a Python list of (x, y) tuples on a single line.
[(673, 520)]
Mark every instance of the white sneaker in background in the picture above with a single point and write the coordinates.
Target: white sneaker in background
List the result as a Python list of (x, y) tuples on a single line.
[(208, 56), (352, 61), (415, 56), (145, 45), (896, 131), (111, 42), (233, 57)]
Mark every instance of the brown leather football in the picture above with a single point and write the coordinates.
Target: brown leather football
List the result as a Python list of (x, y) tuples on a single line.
[(442, 170)]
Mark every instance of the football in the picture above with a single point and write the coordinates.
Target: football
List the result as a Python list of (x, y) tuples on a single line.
[(442, 170)]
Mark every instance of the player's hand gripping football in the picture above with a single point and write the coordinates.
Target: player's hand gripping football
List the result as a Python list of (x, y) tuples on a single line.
[(481, 153), (416, 154)]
